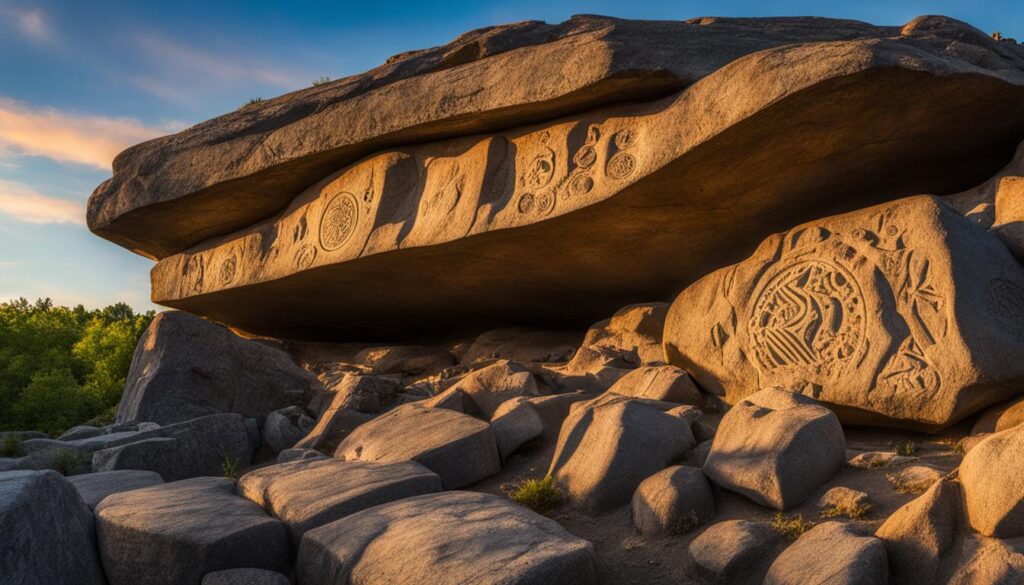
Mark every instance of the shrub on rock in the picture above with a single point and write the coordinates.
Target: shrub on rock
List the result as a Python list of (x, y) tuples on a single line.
[(175, 533), (776, 448), (46, 532), (460, 537), (673, 501), (608, 446)]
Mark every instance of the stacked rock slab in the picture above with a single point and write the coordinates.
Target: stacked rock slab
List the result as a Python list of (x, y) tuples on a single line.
[(888, 314), (486, 153)]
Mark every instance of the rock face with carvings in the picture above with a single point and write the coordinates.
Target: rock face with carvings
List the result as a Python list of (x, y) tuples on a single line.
[(580, 144), (886, 314)]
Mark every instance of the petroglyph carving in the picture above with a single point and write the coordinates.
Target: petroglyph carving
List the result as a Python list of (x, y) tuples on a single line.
[(338, 221)]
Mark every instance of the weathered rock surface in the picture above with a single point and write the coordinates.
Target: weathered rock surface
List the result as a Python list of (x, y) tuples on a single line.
[(844, 501), (47, 532), (832, 553), (520, 344), (489, 387), (197, 447), (776, 448), (515, 422), (673, 501), (285, 427), (599, 180), (607, 447), (178, 532), (93, 487), (459, 448), (885, 313), (914, 479), (81, 432), (185, 367), (667, 383), (735, 552), (919, 536), (1000, 417), (461, 537), (245, 577), (992, 475), (989, 561), (308, 494)]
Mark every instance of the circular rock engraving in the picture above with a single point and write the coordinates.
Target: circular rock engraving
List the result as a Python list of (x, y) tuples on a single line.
[(541, 169), (621, 166), (544, 202), (1005, 302), (810, 316), (585, 157), (192, 279), (580, 185), (228, 269), (525, 203), (338, 221), (625, 139), (305, 257)]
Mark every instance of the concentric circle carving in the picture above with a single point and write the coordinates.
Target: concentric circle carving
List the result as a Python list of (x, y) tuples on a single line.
[(228, 270), (526, 203), (581, 184), (585, 157), (809, 316), (540, 170), (544, 202), (305, 257), (338, 222), (621, 166)]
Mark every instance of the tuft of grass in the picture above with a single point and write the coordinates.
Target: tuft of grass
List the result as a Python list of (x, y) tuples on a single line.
[(791, 527), (252, 101), (903, 487), (10, 446), (229, 466), (65, 461), (851, 511), (540, 495), (321, 80), (906, 448)]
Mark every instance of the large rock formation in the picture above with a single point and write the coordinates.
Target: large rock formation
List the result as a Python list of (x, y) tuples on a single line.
[(887, 314), (551, 177)]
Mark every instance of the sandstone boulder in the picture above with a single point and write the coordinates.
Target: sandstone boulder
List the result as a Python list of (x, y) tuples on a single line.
[(989, 561), (185, 367), (285, 427), (667, 383), (461, 537), (1008, 222), (1000, 417), (914, 479), (308, 494), (735, 552), (844, 501), (515, 422), (197, 447), (178, 532), (520, 344), (493, 197), (921, 535), (992, 475), (487, 388), (832, 553), (607, 447), (47, 532), (885, 313), (93, 487), (778, 456), (673, 501), (459, 448)]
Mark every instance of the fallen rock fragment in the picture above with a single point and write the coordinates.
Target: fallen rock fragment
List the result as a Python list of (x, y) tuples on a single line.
[(461, 537), (175, 533), (489, 387), (515, 423), (914, 479)]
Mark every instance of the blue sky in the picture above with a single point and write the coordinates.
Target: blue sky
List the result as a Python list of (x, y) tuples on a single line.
[(79, 81)]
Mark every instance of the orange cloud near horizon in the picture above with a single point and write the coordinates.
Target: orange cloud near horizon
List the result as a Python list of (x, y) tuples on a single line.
[(23, 203), (67, 137)]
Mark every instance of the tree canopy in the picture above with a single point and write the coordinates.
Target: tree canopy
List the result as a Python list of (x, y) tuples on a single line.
[(62, 366)]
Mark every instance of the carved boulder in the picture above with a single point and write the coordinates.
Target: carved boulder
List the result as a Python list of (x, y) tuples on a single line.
[(886, 314)]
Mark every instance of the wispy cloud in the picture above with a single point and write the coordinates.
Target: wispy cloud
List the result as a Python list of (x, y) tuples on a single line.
[(69, 137), (176, 59), (32, 23), (23, 203), (9, 264)]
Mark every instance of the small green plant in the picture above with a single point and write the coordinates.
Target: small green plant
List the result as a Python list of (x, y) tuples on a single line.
[(65, 461), (251, 102), (906, 448), (791, 527), (848, 510), (321, 80), (229, 466), (10, 445), (906, 487), (540, 495)]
